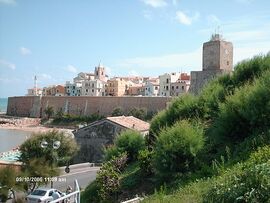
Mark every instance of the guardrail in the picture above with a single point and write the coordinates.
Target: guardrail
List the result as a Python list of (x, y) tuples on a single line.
[(134, 200), (73, 197)]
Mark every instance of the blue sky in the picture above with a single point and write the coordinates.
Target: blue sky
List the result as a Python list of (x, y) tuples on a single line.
[(55, 40)]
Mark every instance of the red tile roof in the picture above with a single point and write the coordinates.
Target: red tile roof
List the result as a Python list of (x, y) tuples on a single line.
[(130, 122)]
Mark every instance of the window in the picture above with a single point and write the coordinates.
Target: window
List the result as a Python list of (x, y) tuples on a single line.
[(167, 80), (156, 88), (93, 85), (92, 90), (86, 90), (176, 87), (167, 87), (228, 63), (183, 87), (172, 87)]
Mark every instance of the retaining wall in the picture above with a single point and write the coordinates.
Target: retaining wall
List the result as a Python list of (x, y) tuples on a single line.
[(34, 106)]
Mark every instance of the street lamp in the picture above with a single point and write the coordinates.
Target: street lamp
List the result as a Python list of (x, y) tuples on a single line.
[(55, 145)]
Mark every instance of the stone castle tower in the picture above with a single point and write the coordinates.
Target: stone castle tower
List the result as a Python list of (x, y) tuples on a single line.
[(100, 72), (217, 59)]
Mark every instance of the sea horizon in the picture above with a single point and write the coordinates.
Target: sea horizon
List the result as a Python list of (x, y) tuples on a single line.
[(3, 105)]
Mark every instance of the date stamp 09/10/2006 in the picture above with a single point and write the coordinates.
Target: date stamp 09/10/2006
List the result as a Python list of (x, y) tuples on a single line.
[(41, 179)]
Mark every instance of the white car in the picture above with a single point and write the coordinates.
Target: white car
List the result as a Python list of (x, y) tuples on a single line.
[(43, 195)]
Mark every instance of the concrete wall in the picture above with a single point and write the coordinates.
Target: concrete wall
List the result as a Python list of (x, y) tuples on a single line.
[(32, 106)]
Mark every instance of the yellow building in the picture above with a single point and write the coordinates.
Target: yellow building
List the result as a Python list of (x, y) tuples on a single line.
[(116, 87)]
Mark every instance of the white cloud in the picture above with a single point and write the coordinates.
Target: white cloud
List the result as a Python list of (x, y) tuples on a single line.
[(183, 18), (155, 3), (247, 35), (7, 64), (25, 51), (213, 19), (8, 2), (72, 69), (165, 63)]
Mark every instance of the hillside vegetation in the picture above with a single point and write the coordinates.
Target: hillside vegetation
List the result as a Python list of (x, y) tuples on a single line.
[(214, 147)]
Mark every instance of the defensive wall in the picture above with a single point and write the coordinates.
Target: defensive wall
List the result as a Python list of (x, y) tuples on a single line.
[(34, 106)]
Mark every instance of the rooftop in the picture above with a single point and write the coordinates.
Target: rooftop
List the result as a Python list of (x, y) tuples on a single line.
[(130, 122)]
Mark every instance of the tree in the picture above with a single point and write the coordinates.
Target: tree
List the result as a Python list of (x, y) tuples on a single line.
[(176, 148), (128, 141), (138, 113), (42, 161), (40, 169), (8, 182), (32, 149), (49, 112), (117, 112)]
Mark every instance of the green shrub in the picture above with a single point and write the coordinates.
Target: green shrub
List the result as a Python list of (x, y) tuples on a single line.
[(177, 147), (211, 97), (140, 113), (248, 184), (145, 161), (108, 178), (31, 148), (128, 141), (64, 119), (110, 152), (248, 70), (184, 107), (90, 194), (118, 111), (158, 122), (245, 112)]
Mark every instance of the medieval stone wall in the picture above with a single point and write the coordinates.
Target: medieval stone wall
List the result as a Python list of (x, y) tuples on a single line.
[(32, 106)]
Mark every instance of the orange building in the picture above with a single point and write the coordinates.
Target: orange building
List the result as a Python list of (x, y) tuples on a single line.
[(116, 87)]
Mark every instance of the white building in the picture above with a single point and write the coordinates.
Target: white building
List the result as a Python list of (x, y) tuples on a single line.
[(151, 87), (165, 83), (34, 92), (73, 89), (88, 84), (94, 87)]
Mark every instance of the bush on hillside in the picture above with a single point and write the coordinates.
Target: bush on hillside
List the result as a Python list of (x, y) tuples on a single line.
[(211, 97), (247, 182), (184, 107), (176, 148), (244, 113), (145, 161), (248, 70), (128, 141), (108, 178)]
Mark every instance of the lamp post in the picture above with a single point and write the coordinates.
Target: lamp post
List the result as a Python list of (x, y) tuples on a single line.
[(55, 145)]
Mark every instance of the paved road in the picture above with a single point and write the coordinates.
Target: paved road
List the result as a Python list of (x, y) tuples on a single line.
[(84, 173)]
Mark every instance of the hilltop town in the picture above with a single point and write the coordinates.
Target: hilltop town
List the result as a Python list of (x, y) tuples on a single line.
[(217, 59)]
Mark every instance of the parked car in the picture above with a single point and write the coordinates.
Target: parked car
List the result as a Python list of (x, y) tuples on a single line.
[(43, 195)]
